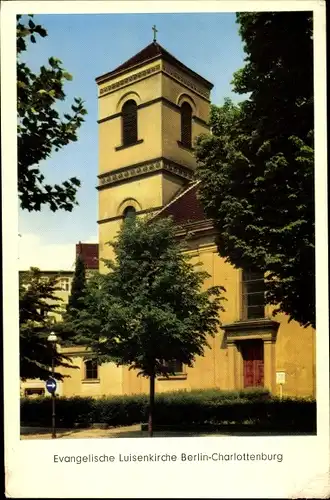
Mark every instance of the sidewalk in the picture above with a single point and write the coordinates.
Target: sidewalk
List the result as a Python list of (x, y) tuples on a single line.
[(134, 431), (131, 431)]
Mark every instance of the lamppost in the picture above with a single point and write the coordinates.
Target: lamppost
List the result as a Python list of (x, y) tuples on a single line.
[(52, 338)]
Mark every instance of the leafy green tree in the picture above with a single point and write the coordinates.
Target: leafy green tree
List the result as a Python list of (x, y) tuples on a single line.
[(257, 169), (41, 130), (38, 304), (149, 308)]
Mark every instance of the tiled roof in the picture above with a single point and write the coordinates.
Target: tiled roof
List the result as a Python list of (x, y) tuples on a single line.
[(150, 52), (185, 207), (89, 253)]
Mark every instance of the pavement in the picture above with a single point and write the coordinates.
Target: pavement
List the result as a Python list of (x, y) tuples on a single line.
[(133, 431)]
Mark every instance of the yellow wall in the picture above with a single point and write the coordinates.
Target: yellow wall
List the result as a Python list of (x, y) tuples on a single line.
[(172, 134), (295, 355), (174, 90), (147, 191), (143, 90), (171, 186), (109, 383), (143, 193), (294, 346), (221, 366), (149, 124)]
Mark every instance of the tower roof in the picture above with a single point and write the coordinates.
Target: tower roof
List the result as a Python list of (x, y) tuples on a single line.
[(151, 52)]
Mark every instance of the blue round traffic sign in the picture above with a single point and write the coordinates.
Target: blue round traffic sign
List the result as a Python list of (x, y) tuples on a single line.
[(51, 385)]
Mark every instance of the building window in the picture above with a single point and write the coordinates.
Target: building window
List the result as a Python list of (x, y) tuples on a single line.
[(91, 369), (129, 212), (253, 286), (34, 392), (174, 367), (129, 123), (186, 125), (64, 284)]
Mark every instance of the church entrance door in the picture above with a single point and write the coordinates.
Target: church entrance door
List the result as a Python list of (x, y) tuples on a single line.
[(253, 363)]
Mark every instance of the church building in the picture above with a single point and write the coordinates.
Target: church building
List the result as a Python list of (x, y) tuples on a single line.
[(151, 108)]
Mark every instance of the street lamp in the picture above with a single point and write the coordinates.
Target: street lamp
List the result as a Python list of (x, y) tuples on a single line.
[(52, 338)]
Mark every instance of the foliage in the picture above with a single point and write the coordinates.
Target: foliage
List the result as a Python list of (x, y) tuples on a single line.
[(149, 309), (176, 409), (257, 169), (78, 287), (41, 130), (38, 305), (78, 284), (75, 304)]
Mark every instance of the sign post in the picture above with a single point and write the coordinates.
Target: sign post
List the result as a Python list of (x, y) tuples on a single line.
[(51, 388), (51, 382)]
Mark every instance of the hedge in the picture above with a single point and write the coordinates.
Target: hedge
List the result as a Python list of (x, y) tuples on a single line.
[(178, 408)]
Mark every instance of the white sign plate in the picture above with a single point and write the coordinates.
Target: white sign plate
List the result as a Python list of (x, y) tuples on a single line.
[(280, 377)]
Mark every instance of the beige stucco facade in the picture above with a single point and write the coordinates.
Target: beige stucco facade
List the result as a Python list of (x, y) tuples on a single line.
[(287, 348), (147, 175)]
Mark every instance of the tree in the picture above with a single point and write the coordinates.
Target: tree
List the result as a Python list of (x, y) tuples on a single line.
[(149, 308), (38, 305), (78, 287), (257, 169), (75, 304), (41, 130)]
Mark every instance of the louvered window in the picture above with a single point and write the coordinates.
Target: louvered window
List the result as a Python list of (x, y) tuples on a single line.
[(186, 120), (129, 122)]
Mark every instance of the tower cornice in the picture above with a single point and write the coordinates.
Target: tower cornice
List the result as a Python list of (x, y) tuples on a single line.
[(145, 168)]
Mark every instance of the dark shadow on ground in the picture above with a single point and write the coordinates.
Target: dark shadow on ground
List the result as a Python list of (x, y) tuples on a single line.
[(169, 434), (25, 431), (134, 432)]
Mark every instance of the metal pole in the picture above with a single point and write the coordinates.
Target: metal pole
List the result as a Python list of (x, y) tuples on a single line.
[(53, 398)]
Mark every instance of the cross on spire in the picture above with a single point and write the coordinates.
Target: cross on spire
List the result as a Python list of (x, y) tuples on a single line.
[(155, 30)]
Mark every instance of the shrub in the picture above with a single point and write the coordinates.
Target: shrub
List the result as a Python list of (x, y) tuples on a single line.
[(120, 410), (180, 408)]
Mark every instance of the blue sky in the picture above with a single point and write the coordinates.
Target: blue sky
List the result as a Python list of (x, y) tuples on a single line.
[(88, 46)]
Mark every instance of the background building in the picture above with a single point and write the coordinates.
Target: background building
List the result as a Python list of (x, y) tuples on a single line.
[(89, 255)]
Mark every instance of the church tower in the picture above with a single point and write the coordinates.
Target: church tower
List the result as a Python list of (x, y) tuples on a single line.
[(150, 110)]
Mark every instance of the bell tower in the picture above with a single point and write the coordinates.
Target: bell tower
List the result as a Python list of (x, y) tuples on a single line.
[(150, 110)]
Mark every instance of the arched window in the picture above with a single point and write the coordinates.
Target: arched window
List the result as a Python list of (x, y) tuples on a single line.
[(129, 212), (186, 122), (91, 369), (129, 123)]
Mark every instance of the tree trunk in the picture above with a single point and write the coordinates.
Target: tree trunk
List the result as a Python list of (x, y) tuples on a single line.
[(151, 405)]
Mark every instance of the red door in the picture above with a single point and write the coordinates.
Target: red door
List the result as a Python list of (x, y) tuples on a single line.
[(253, 363)]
